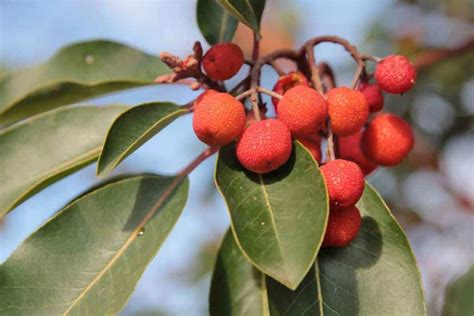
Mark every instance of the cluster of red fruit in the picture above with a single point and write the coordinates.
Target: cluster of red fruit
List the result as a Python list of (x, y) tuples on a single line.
[(302, 113)]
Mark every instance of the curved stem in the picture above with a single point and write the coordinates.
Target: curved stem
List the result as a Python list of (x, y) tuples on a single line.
[(330, 143), (353, 51), (315, 78)]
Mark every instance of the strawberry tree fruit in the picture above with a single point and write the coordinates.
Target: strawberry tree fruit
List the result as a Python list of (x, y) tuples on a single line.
[(307, 234)]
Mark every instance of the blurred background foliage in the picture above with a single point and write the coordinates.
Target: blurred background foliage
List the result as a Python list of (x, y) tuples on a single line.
[(431, 193)]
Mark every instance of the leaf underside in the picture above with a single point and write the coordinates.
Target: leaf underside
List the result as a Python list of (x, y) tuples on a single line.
[(47, 147), (77, 72), (89, 257)]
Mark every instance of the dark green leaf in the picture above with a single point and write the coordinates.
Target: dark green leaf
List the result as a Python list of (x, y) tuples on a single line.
[(47, 147), (237, 288), (75, 73), (215, 23), (375, 275), (458, 299), (88, 258), (132, 129), (278, 218), (248, 12)]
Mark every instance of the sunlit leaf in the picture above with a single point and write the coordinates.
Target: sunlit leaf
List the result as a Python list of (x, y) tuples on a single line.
[(88, 258), (47, 147), (278, 218), (77, 72), (375, 275)]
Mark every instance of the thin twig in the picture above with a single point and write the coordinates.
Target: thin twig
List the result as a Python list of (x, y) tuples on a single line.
[(330, 143), (315, 78), (433, 56), (277, 68), (244, 94), (353, 51), (269, 92), (173, 185), (327, 75), (241, 84)]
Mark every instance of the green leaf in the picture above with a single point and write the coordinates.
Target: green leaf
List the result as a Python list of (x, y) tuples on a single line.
[(215, 23), (278, 218), (237, 288), (375, 275), (132, 129), (77, 72), (458, 299), (249, 12), (47, 147), (89, 257)]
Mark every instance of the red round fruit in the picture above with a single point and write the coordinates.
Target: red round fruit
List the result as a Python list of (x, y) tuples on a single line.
[(303, 110), (349, 148), (344, 181), (264, 146), (373, 94), (343, 227), (222, 61), (395, 74), (387, 140), (286, 82), (348, 110), (218, 118), (313, 144)]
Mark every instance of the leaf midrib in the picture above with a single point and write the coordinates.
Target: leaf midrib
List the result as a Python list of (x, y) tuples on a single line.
[(172, 186), (225, 17), (270, 208), (92, 84)]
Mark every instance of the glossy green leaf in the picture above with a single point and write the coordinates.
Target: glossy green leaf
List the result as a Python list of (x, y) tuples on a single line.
[(375, 275), (458, 299), (215, 23), (278, 218), (237, 288), (88, 258), (77, 72), (249, 12), (47, 147), (132, 129)]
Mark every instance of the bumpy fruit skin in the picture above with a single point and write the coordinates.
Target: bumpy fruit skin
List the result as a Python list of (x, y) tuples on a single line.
[(286, 82), (264, 146), (348, 110), (395, 74), (344, 181), (349, 148), (313, 144), (303, 110), (373, 94), (218, 118), (343, 227), (223, 61), (387, 140)]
